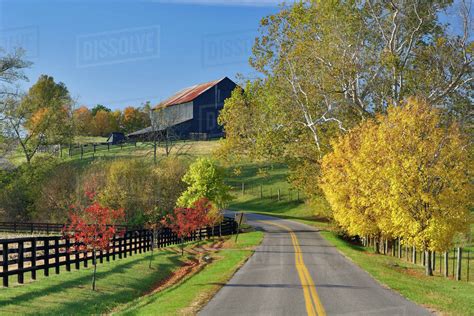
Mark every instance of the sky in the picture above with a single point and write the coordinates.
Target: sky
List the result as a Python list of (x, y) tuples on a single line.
[(122, 53)]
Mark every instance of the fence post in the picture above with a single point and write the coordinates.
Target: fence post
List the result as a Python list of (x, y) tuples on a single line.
[(467, 275), (454, 255), (120, 248), (70, 149), (33, 258), (140, 241), (5, 263), (298, 195), (278, 194), (21, 258), (113, 247), (77, 259), (261, 191), (108, 146), (458, 267), (68, 255), (446, 263), (46, 256), (56, 255), (82, 151)]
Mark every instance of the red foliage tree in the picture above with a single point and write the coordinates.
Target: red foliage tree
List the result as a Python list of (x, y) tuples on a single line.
[(92, 228), (184, 221)]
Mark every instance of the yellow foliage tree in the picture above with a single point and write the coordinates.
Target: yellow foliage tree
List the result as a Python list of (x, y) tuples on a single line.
[(406, 174)]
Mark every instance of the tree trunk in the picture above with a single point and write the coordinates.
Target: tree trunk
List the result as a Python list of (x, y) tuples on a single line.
[(428, 266), (95, 270), (376, 245)]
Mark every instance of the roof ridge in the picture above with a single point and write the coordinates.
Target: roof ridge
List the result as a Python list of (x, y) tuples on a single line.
[(190, 93)]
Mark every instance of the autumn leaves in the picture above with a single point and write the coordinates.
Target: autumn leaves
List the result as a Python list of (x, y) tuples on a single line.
[(404, 174)]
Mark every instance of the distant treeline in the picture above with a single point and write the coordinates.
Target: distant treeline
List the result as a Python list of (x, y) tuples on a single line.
[(101, 121)]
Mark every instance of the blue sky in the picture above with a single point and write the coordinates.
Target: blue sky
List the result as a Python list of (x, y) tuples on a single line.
[(120, 53)]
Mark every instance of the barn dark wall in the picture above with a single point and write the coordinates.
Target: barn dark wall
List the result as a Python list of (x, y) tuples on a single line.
[(207, 107)]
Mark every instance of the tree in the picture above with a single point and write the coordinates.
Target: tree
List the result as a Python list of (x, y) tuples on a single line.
[(184, 221), (41, 117), (130, 185), (404, 174), (11, 72), (92, 229), (102, 123), (133, 119), (82, 118), (327, 65), (205, 180), (99, 107)]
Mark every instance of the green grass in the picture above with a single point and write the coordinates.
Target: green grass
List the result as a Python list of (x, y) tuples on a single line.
[(260, 194), (188, 296), (445, 295), (89, 139), (184, 149), (118, 282)]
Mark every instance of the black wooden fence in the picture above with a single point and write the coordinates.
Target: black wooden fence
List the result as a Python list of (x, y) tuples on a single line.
[(31, 254), (18, 227)]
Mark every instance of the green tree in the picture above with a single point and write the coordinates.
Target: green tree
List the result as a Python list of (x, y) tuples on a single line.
[(11, 72), (41, 117), (205, 180), (327, 65), (99, 107)]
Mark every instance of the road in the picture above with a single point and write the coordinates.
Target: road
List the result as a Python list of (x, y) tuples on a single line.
[(296, 272)]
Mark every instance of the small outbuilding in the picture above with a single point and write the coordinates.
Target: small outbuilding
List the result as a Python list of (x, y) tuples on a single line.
[(116, 138)]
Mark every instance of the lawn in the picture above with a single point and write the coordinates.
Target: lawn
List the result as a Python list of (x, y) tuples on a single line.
[(190, 295), (261, 185), (445, 295), (120, 283)]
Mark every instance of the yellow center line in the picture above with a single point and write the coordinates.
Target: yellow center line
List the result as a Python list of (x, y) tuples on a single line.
[(312, 301)]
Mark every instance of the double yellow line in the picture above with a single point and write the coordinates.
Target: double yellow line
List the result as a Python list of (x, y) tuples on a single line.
[(312, 301)]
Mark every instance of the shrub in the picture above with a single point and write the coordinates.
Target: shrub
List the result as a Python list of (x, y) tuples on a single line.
[(205, 180)]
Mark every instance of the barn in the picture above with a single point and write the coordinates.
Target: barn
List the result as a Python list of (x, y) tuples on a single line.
[(191, 112)]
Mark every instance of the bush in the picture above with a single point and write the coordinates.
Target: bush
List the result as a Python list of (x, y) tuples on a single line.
[(20, 188), (205, 180)]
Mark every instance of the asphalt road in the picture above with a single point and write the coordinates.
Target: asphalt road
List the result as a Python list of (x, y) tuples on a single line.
[(296, 272)]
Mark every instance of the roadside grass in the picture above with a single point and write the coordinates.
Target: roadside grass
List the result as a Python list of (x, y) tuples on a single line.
[(445, 295), (188, 296), (118, 282)]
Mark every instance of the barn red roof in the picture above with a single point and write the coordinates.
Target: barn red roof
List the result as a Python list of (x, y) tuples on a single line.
[(189, 94)]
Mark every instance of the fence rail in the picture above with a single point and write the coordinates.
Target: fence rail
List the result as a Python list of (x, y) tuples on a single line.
[(31, 254), (19, 227)]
